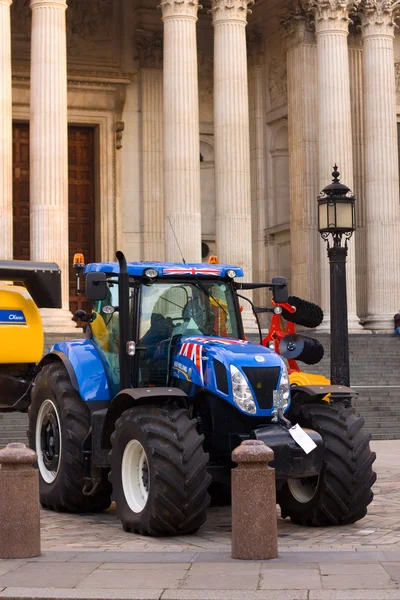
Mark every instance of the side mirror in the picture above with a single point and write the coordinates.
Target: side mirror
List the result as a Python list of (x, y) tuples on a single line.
[(96, 287), (281, 293)]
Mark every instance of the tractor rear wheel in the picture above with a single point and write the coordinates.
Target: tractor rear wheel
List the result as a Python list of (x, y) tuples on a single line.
[(159, 471), (59, 421), (341, 493)]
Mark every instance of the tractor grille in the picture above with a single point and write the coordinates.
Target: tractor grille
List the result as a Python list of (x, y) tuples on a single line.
[(264, 381)]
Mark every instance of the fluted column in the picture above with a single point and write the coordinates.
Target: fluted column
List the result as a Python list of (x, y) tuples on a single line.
[(357, 127), (381, 165), (256, 66), (6, 213), (49, 147), (303, 154), (334, 126), (181, 132), (232, 138), (151, 80)]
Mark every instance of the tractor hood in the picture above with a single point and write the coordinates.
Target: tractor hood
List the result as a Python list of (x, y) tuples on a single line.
[(206, 362)]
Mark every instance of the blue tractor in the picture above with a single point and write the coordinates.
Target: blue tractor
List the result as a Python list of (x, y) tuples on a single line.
[(147, 408)]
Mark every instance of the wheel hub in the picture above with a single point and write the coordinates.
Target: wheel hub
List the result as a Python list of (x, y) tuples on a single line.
[(135, 475), (48, 441), (303, 490)]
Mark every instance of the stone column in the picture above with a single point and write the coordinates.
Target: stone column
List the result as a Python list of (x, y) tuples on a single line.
[(256, 64), (381, 165), (303, 154), (6, 209), (357, 126), (151, 80), (181, 132), (49, 147), (231, 133), (334, 126)]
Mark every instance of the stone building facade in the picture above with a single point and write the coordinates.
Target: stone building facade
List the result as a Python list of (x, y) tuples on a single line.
[(127, 124)]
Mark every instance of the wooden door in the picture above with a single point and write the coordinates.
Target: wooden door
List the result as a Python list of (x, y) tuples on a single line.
[(21, 232), (82, 228), (81, 198)]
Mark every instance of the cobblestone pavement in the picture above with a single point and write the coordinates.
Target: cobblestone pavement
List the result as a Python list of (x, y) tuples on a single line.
[(380, 530)]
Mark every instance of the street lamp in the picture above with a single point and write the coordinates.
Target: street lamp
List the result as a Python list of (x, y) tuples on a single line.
[(336, 223)]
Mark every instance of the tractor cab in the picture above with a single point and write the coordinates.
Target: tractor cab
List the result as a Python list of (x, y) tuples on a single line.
[(165, 303)]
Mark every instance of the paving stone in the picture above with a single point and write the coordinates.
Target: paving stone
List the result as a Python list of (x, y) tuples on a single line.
[(132, 557), (143, 566), (281, 579), (135, 579), (354, 595), (6, 566), (352, 569), (349, 582), (393, 569), (68, 594), (234, 595), (220, 576), (47, 574)]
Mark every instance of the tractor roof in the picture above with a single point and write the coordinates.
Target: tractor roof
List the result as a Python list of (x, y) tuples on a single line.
[(136, 269)]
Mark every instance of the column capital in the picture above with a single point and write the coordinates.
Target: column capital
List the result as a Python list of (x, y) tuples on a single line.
[(255, 46), (331, 15), (48, 3), (150, 47), (179, 8), (9, 2), (231, 10), (378, 18), (297, 24)]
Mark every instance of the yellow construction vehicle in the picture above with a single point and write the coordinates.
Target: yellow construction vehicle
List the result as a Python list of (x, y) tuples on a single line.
[(26, 287)]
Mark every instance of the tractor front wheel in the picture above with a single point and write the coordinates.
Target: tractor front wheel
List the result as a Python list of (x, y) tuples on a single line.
[(341, 493), (159, 471), (59, 421)]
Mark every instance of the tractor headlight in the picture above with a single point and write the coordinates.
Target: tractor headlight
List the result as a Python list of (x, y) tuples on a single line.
[(241, 392), (284, 386), (231, 273)]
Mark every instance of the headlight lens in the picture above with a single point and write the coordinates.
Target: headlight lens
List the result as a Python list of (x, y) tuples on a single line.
[(150, 273), (241, 392), (284, 386), (231, 273)]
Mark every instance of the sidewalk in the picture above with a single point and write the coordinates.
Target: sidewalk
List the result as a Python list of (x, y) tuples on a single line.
[(90, 557)]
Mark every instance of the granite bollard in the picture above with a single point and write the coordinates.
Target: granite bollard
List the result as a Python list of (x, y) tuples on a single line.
[(254, 520), (19, 503)]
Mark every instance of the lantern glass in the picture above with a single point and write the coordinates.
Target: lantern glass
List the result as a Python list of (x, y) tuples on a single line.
[(323, 216), (332, 216), (344, 215)]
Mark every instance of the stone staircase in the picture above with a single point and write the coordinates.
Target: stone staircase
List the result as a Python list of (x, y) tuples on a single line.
[(375, 375)]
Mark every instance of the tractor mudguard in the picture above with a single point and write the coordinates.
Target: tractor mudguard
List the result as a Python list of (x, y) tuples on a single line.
[(312, 393), (84, 366), (290, 460), (131, 397)]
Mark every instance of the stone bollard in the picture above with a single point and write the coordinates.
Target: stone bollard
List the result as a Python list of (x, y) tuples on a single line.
[(19, 503), (254, 520)]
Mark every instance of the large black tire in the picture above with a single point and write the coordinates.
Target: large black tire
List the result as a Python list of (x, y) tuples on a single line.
[(175, 475), (53, 387), (343, 490), (307, 314)]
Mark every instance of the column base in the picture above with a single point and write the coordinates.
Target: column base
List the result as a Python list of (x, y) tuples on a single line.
[(58, 320), (353, 324), (382, 323)]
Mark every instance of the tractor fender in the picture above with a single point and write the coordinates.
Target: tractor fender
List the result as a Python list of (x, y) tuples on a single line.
[(312, 393), (84, 366), (129, 398)]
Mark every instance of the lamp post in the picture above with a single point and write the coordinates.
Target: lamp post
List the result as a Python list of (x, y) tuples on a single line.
[(336, 223)]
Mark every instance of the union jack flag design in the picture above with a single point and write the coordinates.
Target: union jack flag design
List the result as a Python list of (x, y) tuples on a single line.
[(195, 353), (192, 271)]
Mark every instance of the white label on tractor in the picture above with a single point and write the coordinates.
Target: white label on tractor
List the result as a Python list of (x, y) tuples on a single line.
[(302, 439)]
